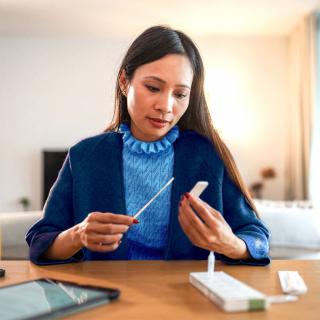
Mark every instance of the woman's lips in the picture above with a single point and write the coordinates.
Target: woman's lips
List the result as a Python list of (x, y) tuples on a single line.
[(158, 123)]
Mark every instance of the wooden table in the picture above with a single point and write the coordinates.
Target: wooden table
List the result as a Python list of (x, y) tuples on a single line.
[(161, 289)]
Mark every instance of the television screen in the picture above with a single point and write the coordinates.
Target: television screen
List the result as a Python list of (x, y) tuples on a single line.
[(52, 163)]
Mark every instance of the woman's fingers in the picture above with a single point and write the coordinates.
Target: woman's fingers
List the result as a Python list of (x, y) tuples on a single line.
[(100, 242), (214, 212), (197, 231), (193, 222), (208, 215), (104, 239), (103, 231), (196, 238), (107, 217), (106, 228), (101, 247)]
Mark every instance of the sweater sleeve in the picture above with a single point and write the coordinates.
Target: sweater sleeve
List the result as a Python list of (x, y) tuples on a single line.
[(58, 216), (245, 224)]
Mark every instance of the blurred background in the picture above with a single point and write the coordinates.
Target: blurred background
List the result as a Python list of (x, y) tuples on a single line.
[(58, 66)]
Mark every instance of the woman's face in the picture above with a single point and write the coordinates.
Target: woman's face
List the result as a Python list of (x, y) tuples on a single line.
[(158, 95)]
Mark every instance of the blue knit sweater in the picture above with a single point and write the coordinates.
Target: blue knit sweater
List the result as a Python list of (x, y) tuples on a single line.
[(147, 166)]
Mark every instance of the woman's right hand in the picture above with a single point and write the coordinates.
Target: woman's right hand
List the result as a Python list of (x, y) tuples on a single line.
[(102, 231)]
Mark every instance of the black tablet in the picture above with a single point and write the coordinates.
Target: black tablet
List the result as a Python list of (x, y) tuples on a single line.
[(50, 299)]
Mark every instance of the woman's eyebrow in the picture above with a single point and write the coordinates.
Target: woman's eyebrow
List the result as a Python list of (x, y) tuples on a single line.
[(162, 81)]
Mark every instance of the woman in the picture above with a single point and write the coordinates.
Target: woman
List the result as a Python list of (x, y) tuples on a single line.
[(161, 129)]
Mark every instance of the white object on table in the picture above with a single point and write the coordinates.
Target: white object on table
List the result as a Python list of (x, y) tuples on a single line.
[(229, 293), (291, 282), (211, 263)]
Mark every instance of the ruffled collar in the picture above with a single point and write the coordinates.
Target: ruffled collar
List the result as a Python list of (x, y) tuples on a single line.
[(139, 146)]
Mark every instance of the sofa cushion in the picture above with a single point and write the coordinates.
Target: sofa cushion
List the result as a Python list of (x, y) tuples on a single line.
[(13, 228), (292, 227)]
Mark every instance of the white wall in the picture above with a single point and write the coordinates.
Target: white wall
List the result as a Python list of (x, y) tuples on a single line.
[(248, 91), (55, 91)]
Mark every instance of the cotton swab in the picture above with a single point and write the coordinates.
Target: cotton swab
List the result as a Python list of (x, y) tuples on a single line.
[(148, 203)]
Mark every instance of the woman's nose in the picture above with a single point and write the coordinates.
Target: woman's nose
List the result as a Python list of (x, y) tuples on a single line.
[(165, 104)]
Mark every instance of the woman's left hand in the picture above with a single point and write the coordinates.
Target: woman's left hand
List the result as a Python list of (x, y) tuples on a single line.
[(207, 229)]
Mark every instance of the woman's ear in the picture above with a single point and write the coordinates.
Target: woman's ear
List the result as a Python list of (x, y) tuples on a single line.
[(123, 83)]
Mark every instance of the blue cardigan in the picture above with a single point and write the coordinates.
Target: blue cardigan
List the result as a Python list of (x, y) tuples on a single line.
[(91, 179)]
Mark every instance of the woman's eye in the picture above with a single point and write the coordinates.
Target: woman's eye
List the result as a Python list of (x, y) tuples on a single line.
[(152, 88), (181, 95)]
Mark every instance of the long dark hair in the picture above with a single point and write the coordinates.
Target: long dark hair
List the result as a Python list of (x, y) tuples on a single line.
[(153, 44)]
